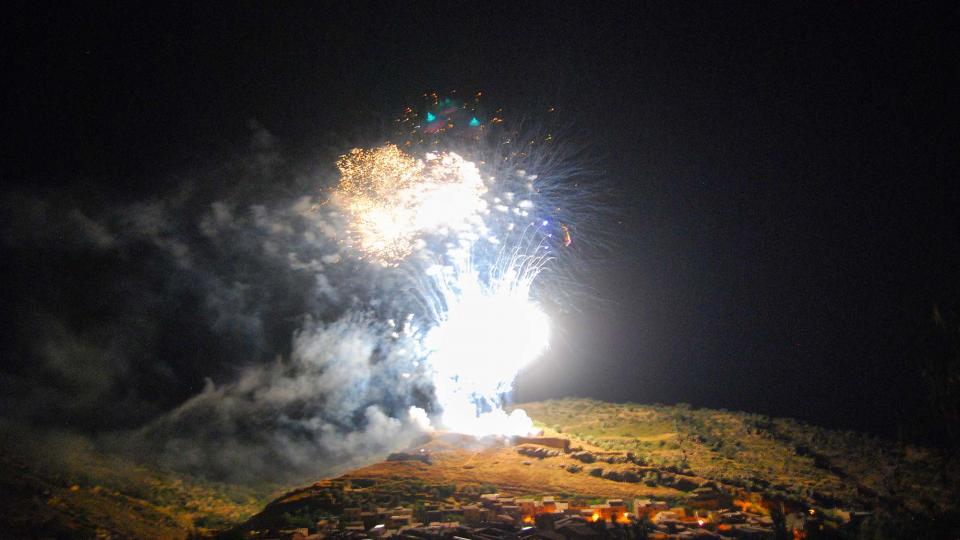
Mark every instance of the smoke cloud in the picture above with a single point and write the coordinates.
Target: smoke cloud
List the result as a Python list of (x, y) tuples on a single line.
[(335, 403), (231, 325), (219, 327)]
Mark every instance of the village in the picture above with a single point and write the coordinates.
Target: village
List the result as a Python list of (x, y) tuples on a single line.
[(707, 511), (495, 517)]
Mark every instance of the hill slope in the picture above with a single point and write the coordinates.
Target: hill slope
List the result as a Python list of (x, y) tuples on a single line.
[(63, 487), (776, 456), (642, 451)]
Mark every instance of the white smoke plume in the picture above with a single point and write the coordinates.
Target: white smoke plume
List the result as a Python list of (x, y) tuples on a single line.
[(229, 328), (336, 403), (219, 327)]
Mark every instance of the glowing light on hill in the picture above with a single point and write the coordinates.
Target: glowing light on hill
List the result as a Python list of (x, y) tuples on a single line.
[(487, 334)]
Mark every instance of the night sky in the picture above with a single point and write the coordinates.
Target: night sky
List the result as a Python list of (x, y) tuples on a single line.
[(785, 204)]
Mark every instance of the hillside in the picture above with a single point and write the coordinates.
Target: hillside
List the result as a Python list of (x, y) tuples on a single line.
[(457, 465), (779, 457), (63, 487), (631, 451)]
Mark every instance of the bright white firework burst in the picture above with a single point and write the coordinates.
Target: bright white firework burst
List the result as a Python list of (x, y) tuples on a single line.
[(489, 331), (484, 326)]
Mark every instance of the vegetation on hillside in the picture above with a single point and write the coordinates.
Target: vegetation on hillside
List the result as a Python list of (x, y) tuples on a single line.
[(782, 458), (63, 486)]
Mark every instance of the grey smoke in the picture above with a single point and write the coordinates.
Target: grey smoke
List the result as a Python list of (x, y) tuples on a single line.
[(335, 403), (219, 327)]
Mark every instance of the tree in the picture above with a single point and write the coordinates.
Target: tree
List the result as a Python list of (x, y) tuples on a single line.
[(940, 372), (642, 527), (420, 511), (779, 523)]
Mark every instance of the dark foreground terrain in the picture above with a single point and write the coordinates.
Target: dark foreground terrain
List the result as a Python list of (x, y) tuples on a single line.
[(597, 470), (60, 486)]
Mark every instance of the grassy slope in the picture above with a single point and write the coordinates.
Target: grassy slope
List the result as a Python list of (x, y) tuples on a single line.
[(779, 456), (63, 487), (504, 468), (768, 458)]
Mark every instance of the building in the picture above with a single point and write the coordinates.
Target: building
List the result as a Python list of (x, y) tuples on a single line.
[(648, 508)]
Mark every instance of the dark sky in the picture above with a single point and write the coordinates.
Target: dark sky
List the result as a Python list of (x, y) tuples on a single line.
[(785, 174)]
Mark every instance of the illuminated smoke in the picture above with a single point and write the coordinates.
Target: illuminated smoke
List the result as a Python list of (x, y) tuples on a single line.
[(236, 270)]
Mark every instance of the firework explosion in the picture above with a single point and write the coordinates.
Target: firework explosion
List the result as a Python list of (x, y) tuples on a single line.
[(416, 284), (484, 337), (393, 199), (480, 324)]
